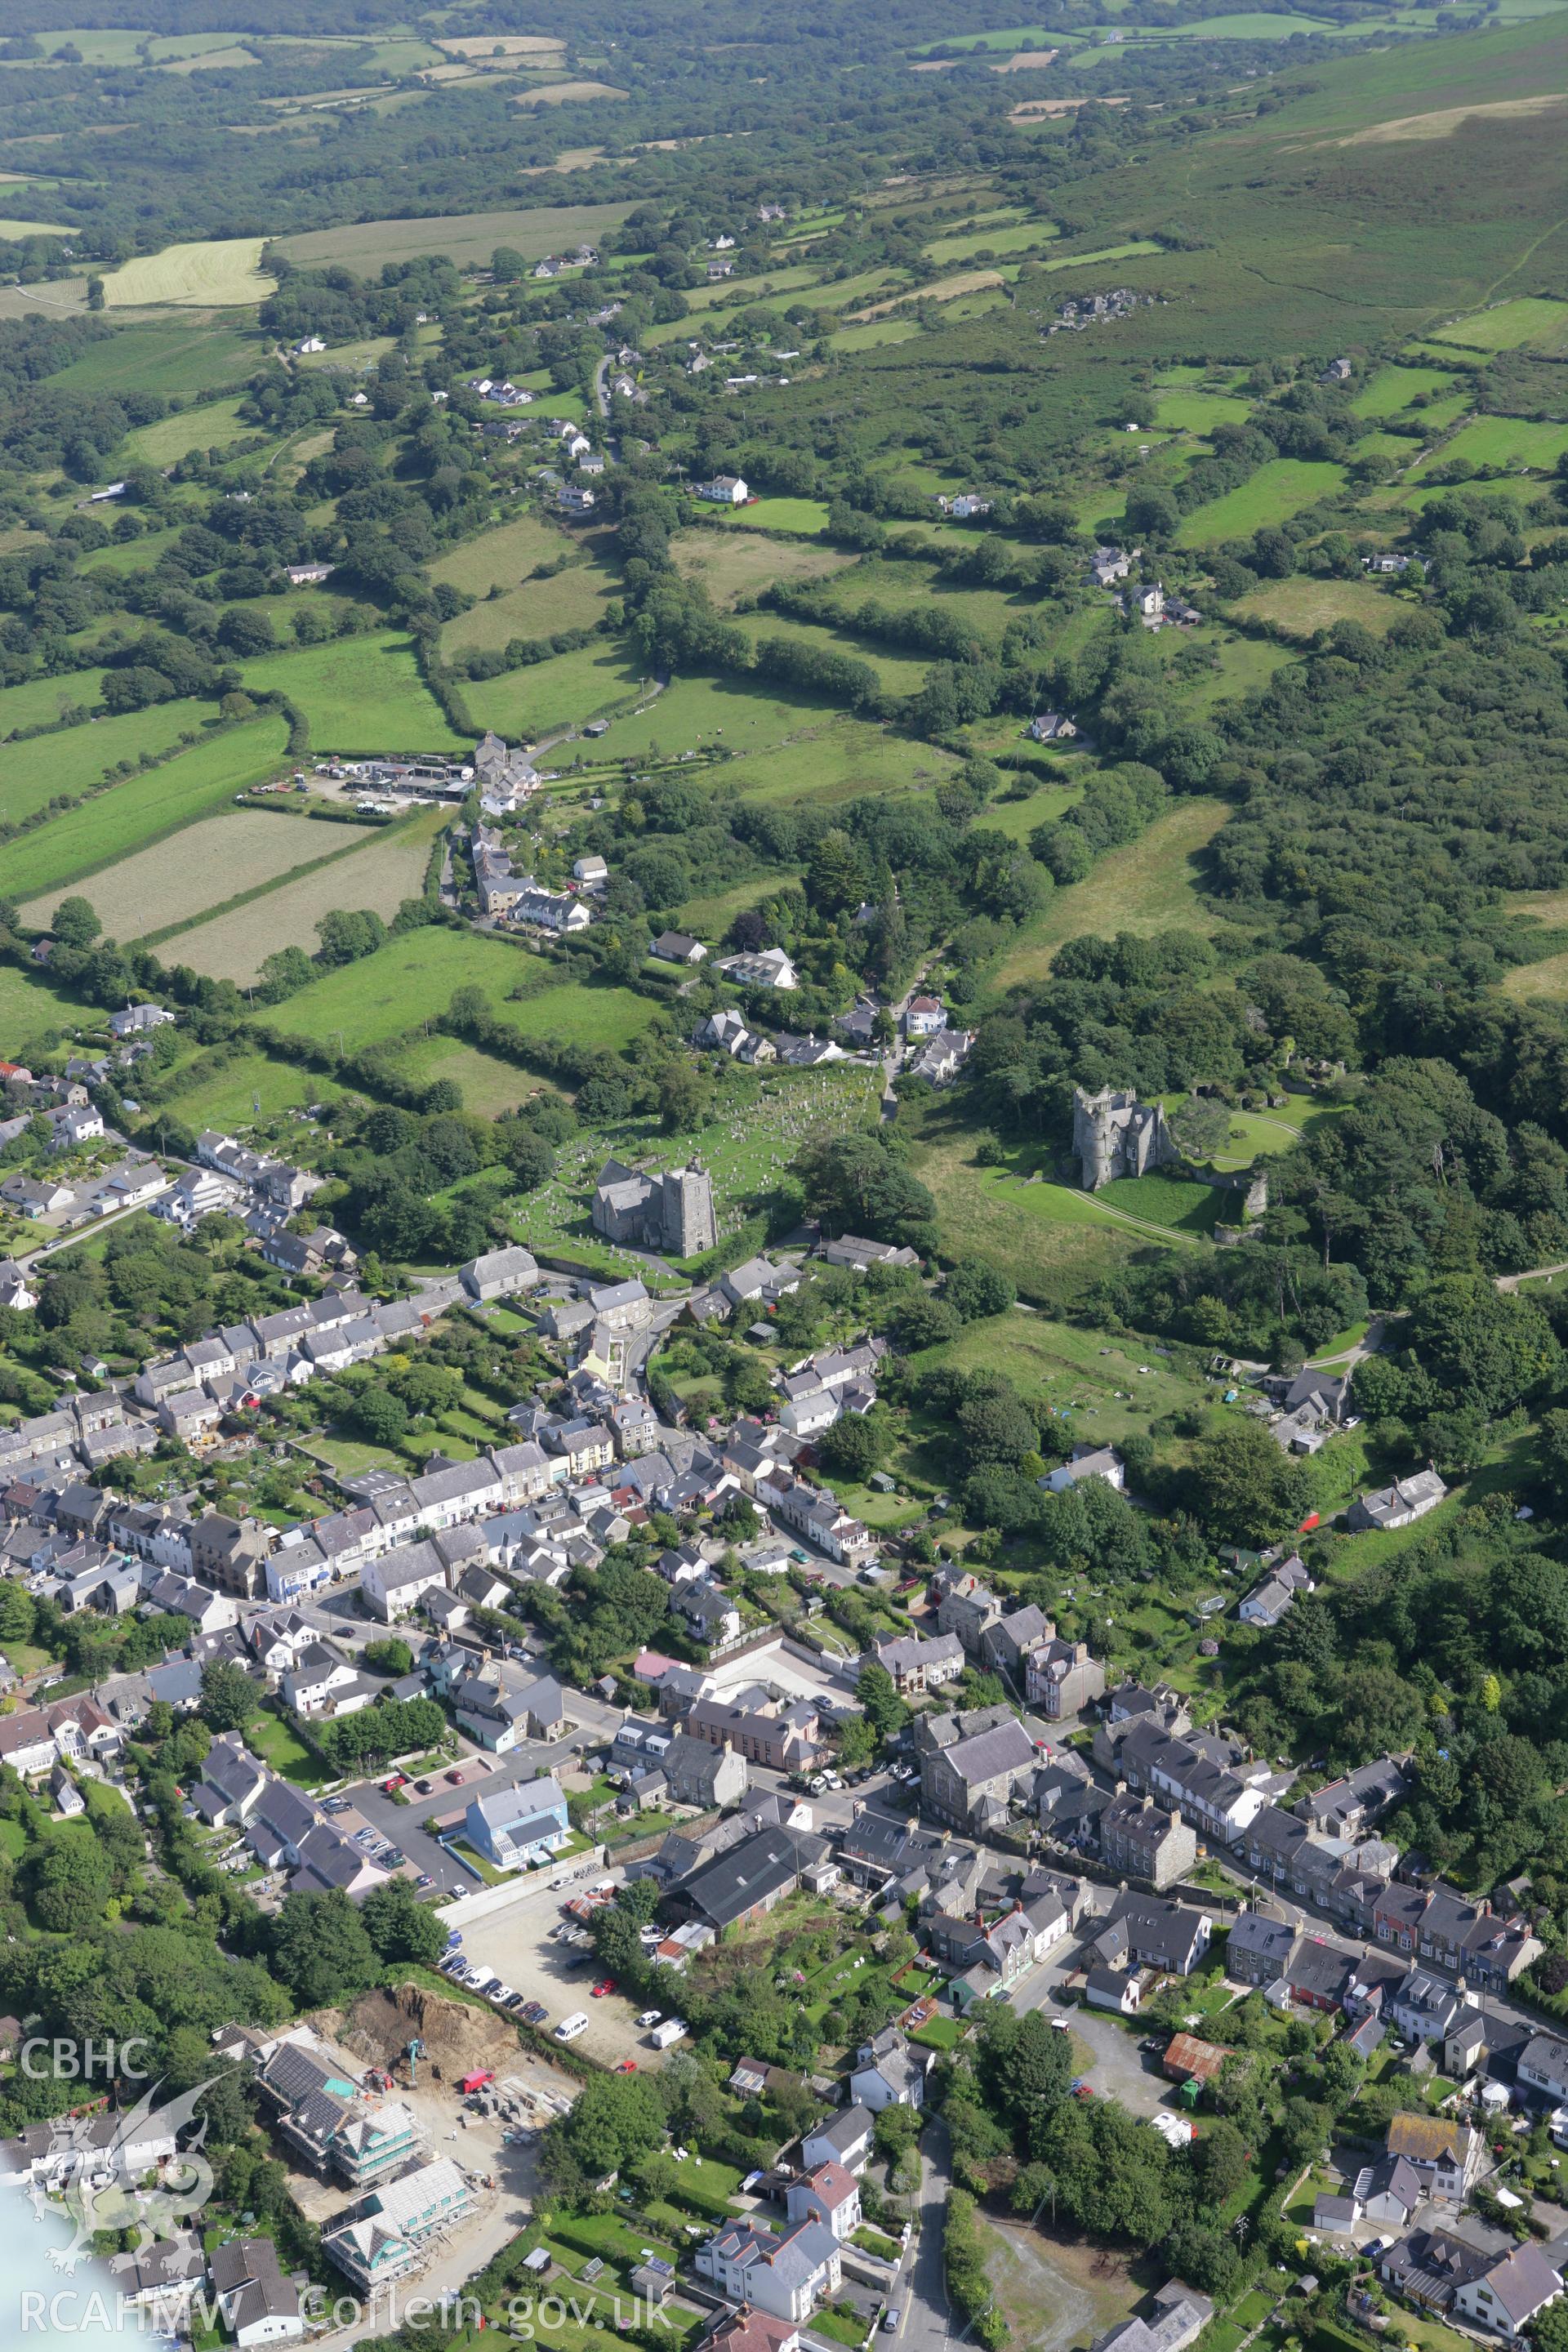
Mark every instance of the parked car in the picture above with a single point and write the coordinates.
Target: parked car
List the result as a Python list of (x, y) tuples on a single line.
[(571, 2027), (535, 2014), (627, 2066), (650, 2017), (605, 1985)]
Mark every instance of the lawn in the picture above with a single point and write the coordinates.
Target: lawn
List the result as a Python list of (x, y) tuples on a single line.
[(1199, 412), (276, 1742), (1160, 1199), (1149, 885), (1276, 492), (144, 809), (582, 1015), (358, 694), (839, 762), (1050, 1241), (75, 760), (550, 697), (410, 979), (807, 515), (375, 874), (33, 1008)]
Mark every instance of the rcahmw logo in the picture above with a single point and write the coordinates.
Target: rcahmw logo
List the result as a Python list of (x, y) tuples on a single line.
[(72, 2312)]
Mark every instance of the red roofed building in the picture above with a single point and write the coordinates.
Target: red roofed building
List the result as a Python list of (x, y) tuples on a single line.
[(751, 2331), (829, 2195)]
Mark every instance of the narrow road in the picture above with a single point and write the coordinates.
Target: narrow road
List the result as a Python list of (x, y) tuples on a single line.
[(925, 2320), (1350, 1357), (1535, 1274)]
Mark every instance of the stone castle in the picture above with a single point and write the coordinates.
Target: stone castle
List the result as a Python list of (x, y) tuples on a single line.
[(1116, 1135), (672, 1212)]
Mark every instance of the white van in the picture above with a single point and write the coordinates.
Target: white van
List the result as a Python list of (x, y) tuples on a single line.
[(672, 2030), (571, 2027)]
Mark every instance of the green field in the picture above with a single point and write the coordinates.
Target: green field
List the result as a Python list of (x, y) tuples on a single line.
[(1301, 604), (40, 701), (501, 558), (1530, 319), (220, 270), (249, 1086), (489, 1086), (1498, 441), (1276, 492), (31, 1006), (840, 759), (565, 691), (1020, 237), (881, 331), (73, 758), (1200, 412), (143, 810), (808, 515), (210, 427), (180, 358), (1394, 387), (410, 979), (368, 246), (1149, 885), (359, 694), (896, 673), (573, 599)]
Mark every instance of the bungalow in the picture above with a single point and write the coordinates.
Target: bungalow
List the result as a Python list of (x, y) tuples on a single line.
[(1398, 1505), (1114, 1988), (1088, 1462), (520, 1827), (1389, 2191), (679, 947), (1429, 2267)]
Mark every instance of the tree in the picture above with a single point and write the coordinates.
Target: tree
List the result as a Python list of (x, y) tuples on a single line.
[(1219, 2161), (884, 1710), (321, 1949), (389, 1655), (75, 923), (70, 1881), (229, 1698), (400, 1926), (617, 2119), (927, 1322), (977, 1290), (855, 1184), (1243, 1488), (854, 1446), (383, 1417)]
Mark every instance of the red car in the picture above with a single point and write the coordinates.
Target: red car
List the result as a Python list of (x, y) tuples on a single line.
[(627, 2066), (398, 1780), (607, 1985)]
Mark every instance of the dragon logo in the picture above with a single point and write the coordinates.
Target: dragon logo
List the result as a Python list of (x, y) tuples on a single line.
[(95, 2163)]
